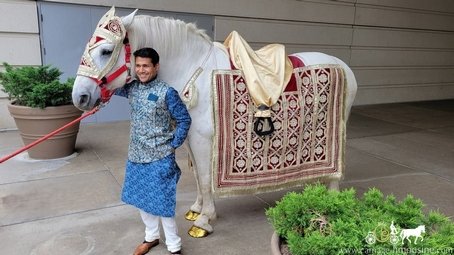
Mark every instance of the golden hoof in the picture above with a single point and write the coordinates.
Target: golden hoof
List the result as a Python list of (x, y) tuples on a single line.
[(197, 232), (191, 215)]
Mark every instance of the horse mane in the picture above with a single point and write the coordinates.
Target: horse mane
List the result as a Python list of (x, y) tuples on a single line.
[(166, 25), (173, 39)]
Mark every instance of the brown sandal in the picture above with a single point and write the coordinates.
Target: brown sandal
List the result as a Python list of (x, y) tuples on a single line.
[(145, 247)]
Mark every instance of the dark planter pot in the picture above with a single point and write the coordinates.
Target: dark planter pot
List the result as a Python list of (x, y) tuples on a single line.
[(34, 123)]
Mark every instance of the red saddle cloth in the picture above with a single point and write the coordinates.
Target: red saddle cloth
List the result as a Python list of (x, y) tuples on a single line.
[(291, 85), (307, 143)]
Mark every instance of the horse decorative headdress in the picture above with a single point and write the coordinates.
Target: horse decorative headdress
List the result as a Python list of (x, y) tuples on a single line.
[(109, 29)]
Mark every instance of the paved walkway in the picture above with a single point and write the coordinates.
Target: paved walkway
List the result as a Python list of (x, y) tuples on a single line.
[(72, 206)]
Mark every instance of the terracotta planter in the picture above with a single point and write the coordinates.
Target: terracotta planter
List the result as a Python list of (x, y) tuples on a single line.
[(33, 123)]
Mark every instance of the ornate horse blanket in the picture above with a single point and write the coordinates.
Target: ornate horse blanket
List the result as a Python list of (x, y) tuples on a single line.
[(307, 143)]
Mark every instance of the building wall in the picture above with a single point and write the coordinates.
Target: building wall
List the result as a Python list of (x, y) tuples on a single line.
[(398, 53), (19, 43), (399, 50), (403, 50)]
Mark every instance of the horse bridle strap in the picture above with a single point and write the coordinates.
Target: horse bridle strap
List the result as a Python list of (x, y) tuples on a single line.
[(110, 29), (189, 93), (105, 93)]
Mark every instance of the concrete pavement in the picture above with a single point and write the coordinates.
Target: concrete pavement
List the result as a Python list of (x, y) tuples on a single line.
[(72, 206)]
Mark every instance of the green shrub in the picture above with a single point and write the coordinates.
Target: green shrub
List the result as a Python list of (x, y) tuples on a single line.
[(321, 221), (36, 86)]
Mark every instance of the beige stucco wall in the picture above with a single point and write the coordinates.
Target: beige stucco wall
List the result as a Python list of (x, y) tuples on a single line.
[(19, 41), (400, 50)]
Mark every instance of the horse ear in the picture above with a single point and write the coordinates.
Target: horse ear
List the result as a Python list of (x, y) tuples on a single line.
[(127, 20), (111, 12)]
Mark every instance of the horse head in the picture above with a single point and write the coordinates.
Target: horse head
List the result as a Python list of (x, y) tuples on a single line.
[(422, 228), (104, 65)]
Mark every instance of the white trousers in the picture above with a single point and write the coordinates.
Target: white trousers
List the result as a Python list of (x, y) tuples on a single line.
[(169, 225)]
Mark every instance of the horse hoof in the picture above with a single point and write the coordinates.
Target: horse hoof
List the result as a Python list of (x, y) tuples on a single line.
[(191, 215), (197, 232)]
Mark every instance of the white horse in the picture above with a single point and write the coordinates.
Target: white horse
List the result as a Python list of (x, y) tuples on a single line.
[(183, 49), (416, 232)]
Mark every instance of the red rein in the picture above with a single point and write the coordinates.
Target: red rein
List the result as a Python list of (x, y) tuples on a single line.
[(50, 134), (105, 93), (105, 97)]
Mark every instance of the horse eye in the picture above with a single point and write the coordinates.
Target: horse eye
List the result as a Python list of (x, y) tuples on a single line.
[(106, 52)]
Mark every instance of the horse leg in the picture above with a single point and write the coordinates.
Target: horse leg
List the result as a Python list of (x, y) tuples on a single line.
[(408, 238), (202, 227), (418, 236), (196, 208), (201, 146)]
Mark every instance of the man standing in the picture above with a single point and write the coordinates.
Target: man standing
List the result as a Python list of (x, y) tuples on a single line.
[(159, 124)]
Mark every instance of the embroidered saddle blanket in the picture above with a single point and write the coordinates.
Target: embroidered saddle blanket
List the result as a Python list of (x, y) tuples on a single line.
[(308, 141)]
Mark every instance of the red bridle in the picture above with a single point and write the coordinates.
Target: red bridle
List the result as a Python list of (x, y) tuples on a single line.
[(105, 93)]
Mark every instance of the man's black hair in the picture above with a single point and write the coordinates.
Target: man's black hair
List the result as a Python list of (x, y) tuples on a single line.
[(147, 53)]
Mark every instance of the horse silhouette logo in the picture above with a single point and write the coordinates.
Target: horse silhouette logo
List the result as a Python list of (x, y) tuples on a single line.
[(416, 232), (382, 234)]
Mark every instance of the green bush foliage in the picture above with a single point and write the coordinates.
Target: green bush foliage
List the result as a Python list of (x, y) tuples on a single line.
[(321, 221), (36, 86)]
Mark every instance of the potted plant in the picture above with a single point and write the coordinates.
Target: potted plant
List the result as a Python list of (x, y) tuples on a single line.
[(40, 103), (322, 221)]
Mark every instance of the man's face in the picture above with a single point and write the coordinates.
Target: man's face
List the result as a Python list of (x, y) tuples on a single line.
[(145, 70)]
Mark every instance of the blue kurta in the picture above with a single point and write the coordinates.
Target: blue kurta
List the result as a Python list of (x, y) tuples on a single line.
[(151, 187), (151, 170)]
